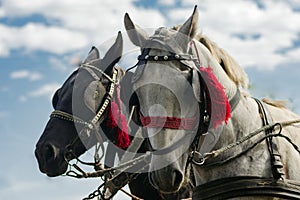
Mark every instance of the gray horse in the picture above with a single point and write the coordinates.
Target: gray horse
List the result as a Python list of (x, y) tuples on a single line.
[(201, 121)]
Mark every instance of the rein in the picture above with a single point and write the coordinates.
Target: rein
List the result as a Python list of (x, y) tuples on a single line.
[(201, 159)]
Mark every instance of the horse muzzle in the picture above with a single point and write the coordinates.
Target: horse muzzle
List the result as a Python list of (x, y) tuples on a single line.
[(167, 180), (50, 159)]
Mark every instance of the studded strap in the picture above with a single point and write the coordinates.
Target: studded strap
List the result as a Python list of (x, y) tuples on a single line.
[(165, 57)]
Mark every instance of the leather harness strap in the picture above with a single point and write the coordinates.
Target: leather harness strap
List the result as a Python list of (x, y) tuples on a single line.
[(234, 101), (246, 186), (232, 187), (276, 164), (170, 57)]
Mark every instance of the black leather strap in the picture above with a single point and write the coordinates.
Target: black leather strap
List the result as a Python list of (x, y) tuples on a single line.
[(246, 186), (234, 101), (276, 164), (171, 57)]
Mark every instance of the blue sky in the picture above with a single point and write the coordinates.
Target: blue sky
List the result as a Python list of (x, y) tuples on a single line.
[(42, 41)]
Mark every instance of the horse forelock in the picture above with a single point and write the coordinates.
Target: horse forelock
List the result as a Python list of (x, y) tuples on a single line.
[(165, 39)]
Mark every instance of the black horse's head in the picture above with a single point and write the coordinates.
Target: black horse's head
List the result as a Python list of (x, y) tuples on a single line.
[(76, 103)]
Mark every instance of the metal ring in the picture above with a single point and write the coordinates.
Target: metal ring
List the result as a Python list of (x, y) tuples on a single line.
[(200, 158)]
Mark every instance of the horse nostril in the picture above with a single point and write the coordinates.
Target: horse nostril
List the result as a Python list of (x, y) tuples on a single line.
[(177, 178), (50, 152)]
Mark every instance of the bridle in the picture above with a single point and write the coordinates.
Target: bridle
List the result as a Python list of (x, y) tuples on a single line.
[(169, 122), (190, 124), (89, 126)]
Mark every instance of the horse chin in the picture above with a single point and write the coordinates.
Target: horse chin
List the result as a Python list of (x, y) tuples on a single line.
[(55, 168), (53, 172), (165, 183)]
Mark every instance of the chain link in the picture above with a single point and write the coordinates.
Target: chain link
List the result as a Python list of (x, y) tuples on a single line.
[(96, 193)]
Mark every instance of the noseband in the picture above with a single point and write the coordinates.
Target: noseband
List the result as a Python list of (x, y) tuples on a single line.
[(89, 126)]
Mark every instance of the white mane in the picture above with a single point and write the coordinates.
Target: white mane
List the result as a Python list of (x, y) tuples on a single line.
[(235, 72)]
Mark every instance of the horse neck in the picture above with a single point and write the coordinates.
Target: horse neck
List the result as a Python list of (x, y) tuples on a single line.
[(244, 120)]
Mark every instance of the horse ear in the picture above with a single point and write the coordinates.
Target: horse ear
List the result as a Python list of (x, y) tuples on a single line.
[(136, 34), (188, 30), (93, 55), (113, 55), (196, 85)]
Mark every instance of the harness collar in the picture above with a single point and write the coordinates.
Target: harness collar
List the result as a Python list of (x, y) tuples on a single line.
[(233, 187)]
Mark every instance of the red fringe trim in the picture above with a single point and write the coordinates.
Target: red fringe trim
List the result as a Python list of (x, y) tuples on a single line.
[(220, 107), (116, 119)]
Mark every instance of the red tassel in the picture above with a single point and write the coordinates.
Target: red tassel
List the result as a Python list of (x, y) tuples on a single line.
[(112, 115), (220, 107), (116, 119), (123, 140)]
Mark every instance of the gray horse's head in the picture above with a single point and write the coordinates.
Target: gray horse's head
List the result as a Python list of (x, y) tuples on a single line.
[(77, 102), (164, 88), (170, 86)]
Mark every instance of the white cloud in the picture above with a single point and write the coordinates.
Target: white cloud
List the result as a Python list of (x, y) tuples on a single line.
[(76, 25), (294, 3), (73, 24), (25, 74), (46, 90), (166, 2), (33, 37), (66, 64), (293, 55), (276, 27)]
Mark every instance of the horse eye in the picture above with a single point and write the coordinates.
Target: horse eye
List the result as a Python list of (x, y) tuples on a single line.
[(55, 98)]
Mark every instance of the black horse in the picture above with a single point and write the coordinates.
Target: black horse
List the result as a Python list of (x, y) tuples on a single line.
[(86, 89)]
